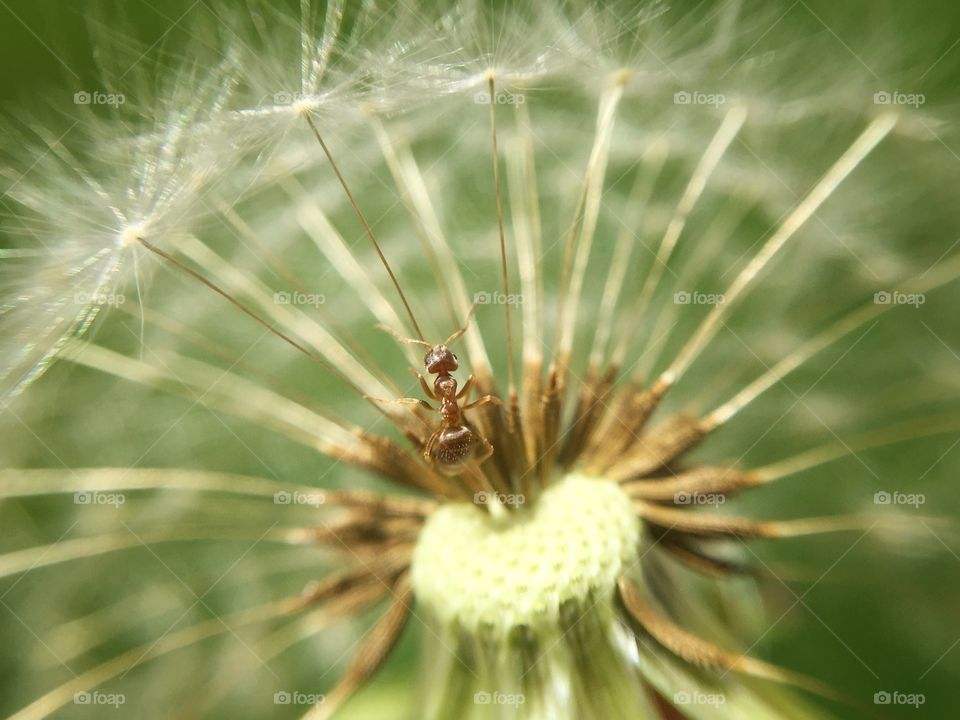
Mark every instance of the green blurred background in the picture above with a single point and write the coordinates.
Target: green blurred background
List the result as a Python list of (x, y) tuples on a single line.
[(885, 619)]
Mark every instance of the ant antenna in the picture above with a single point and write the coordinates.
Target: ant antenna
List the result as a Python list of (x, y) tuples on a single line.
[(247, 311), (363, 221), (413, 341), (466, 324), (401, 338), (503, 248)]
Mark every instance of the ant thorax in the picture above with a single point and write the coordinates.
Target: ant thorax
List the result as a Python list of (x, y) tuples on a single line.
[(445, 385)]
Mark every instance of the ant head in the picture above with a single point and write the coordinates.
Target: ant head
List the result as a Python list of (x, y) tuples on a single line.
[(439, 359)]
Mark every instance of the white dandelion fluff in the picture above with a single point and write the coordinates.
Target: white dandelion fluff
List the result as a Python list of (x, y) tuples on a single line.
[(78, 201)]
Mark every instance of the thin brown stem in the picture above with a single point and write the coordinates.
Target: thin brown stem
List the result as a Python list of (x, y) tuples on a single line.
[(180, 265), (503, 247), (363, 221)]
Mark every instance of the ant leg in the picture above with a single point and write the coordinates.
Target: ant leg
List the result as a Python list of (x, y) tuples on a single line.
[(428, 391), (483, 401), (428, 448), (465, 389), (403, 401), (487, 450)]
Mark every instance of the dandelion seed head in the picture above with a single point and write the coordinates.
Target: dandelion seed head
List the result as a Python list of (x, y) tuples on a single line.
[(476, 570), (650, 159)]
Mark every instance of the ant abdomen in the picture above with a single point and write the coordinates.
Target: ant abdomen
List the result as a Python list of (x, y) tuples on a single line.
[(453, 448)]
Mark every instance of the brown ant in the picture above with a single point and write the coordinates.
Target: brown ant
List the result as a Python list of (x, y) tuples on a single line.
[(456, 441)]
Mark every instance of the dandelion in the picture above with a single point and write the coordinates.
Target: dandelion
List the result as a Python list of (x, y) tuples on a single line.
[(670, 275)]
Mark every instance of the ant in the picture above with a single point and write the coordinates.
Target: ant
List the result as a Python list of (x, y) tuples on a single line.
[(456, 441)]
